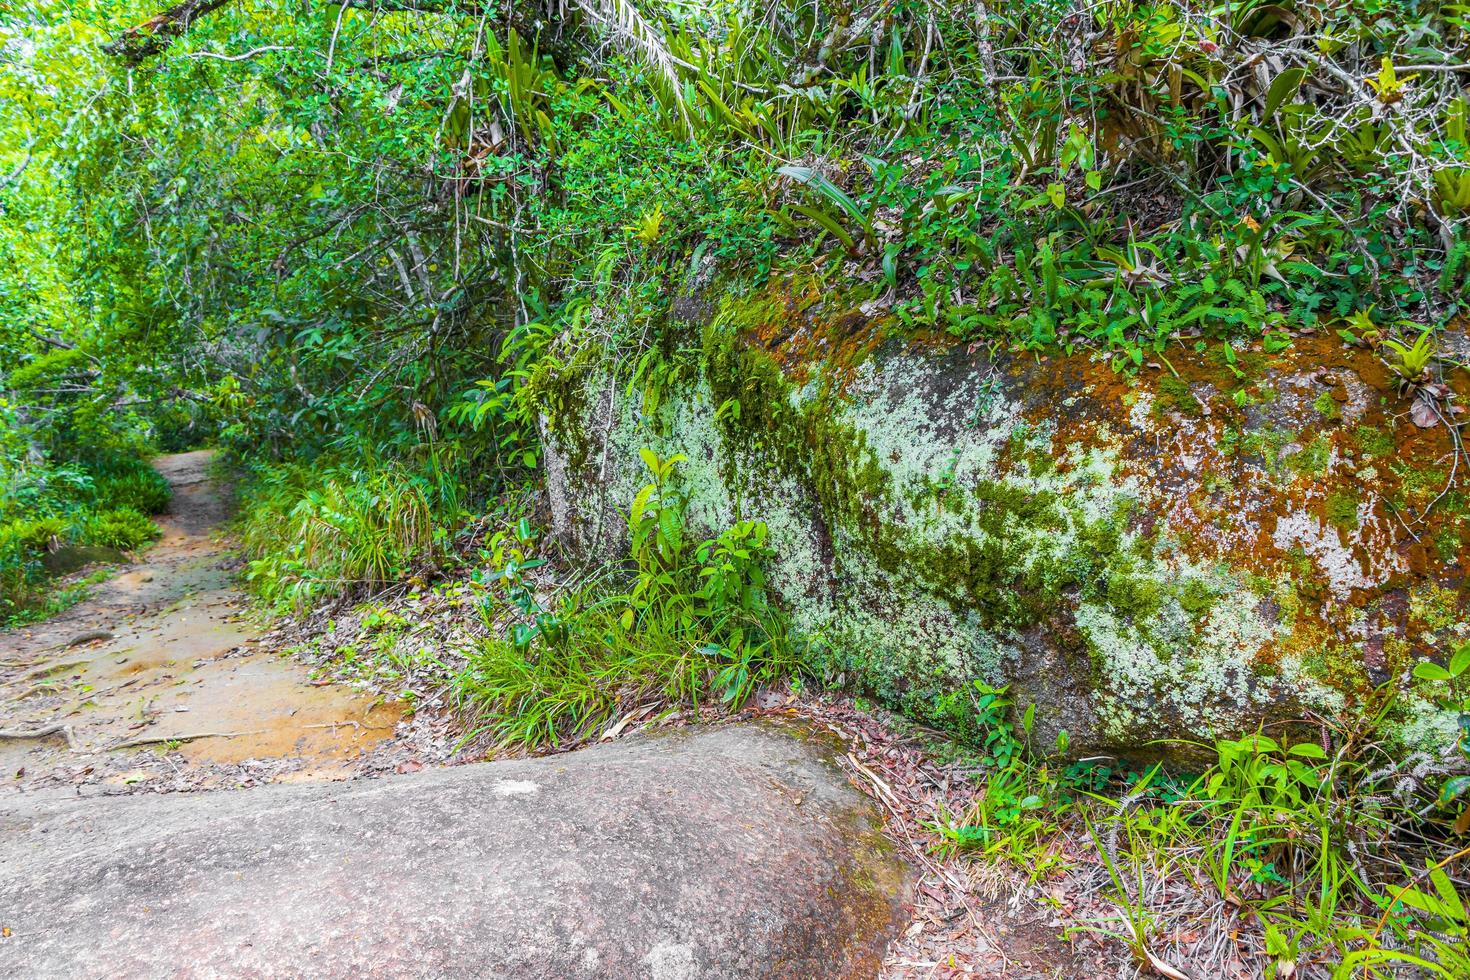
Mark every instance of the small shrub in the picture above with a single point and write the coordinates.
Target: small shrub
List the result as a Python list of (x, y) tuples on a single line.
[(695, 625), (38, 534), (121, 528)]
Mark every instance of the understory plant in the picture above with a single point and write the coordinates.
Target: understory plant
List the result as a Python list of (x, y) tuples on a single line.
[(1328, 858), (106, 502), (345, 524), (687, 622)]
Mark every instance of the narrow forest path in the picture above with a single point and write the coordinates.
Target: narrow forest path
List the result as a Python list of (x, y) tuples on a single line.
[(157, 683), (734, 851)]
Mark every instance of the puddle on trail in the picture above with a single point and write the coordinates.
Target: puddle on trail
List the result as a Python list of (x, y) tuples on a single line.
[(174, 682)]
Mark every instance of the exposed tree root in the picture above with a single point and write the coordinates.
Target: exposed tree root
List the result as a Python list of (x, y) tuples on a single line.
[(133, 743), (44, 731), (45, 669), (90, 636)]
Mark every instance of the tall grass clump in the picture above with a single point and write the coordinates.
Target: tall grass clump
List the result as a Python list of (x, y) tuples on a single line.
[(331, 527), (686, 622)]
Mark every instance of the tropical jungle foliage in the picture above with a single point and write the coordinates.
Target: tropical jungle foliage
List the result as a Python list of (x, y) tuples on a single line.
[(355, 244)]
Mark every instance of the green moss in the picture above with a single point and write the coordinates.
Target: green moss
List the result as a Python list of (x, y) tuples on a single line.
[(1447, 543), (1434, 608), (1342, 510), (559, 392), (1312, 459), (1196, 596), (1264, 669), (1373, 441), (1455, 503), (1265, 445), (1134, 597), (1327, 406), (1429, 479), (1230, 441), (767, 421), (1338, 666), (751, 313), (1174, 393)]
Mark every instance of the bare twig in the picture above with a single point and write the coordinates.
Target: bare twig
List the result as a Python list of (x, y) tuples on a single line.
[(240, 57)]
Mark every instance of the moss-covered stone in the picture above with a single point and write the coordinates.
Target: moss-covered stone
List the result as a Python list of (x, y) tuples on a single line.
[(1174, 393), (1136, 566)]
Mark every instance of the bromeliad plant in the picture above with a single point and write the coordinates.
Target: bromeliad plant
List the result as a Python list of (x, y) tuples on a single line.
[(1432, 399)]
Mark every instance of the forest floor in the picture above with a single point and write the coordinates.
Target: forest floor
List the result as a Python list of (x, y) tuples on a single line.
[(163, 681)]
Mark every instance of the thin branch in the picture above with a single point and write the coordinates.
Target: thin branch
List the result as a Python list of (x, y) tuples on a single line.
[(165, 739), (240, 57)]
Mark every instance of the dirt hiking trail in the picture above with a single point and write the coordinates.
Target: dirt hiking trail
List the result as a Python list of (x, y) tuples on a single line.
[(734, 851), (156, 682)]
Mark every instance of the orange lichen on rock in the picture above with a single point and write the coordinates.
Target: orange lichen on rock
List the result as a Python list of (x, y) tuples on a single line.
[(793, 323), (1299, 466)]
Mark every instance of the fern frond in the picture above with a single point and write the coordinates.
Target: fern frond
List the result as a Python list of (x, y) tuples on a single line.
[(634, 32)]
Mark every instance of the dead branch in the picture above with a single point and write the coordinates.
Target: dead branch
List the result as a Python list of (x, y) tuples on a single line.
[(137, 44)]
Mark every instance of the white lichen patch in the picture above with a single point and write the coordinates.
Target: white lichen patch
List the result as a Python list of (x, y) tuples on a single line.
[(1426, 726), (797, 573), (1339, 562), (922, 437), (1175, 676), (1140, 411)]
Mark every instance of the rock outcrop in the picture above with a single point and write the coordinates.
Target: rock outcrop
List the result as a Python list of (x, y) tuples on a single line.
[(739, 851), (1228, 537)]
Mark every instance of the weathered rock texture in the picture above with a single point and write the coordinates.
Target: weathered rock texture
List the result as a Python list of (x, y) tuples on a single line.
[(1238, 537), (735, 852)]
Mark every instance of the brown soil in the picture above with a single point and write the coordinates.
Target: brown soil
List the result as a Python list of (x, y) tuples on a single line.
[(159, 682)]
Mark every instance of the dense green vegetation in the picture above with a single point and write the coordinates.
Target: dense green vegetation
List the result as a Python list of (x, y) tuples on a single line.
[(369, 249), (72, 474)]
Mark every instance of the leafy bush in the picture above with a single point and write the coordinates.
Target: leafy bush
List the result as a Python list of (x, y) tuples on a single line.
[(121, 528), (695, 624), (45, 507)]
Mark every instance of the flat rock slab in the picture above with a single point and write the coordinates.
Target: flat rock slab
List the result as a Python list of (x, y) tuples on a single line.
[(739, 851)]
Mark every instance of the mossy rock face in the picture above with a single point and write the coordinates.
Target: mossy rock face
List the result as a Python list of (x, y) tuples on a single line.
[(1183, 554)]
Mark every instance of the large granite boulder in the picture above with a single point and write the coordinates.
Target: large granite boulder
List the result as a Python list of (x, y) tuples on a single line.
[(739, 851), (1228, 537)]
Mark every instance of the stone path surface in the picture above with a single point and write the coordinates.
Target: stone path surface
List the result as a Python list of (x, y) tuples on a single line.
[(729, 852)]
